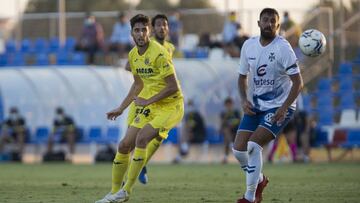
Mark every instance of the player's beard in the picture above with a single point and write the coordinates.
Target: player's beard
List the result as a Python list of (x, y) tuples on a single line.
[(159, 38), (267, 35)]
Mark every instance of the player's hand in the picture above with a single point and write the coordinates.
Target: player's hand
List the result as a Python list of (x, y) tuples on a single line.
[(279, 115), (247, 108), (113, 114), (141, 101)]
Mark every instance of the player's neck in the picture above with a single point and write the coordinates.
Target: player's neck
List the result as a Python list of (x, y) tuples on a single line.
[(142, 49), (160, 41), (265, 41)]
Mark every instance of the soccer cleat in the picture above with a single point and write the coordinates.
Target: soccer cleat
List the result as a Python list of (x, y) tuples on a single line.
[(143, 178), (121, 196), (106, 199), (260, 188), (243, 200)]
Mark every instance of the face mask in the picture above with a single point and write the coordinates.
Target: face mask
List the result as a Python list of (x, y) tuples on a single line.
[(13, 116), (89, 21), (59, 117)]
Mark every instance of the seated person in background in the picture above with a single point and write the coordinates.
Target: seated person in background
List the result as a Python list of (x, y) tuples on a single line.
[(120, 40), (91, 39), (230, 120), (193, 130), (13, 130), (64, 130)]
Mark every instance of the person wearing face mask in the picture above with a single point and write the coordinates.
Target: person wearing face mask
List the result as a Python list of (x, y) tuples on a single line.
[(193, 131), (64, 130), (91, 39), (13, 131)]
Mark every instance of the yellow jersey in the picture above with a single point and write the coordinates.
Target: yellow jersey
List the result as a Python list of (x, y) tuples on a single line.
[(170, 48), (153, 67)]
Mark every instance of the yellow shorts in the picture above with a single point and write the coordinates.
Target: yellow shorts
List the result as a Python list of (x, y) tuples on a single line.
[(132, 113), (160, 116)]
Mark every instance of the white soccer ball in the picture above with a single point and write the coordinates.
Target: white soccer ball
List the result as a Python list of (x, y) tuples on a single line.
[(312, 43)]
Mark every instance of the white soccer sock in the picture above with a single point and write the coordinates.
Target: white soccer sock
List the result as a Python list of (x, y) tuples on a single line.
[(253, 170), (242, 157)]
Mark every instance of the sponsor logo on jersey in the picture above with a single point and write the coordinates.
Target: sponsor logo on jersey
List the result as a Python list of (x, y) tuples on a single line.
[(261, 82), (261, 70), (144, 71)]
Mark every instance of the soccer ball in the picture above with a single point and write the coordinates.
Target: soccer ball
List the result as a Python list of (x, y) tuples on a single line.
[(312, 43)]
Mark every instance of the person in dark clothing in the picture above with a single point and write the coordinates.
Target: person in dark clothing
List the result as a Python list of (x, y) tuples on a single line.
[(13, 130), (230, 120), (193, 132), (64, 130)]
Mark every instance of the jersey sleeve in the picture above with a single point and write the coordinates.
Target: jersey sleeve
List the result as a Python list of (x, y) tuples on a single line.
[(288, 59), (131, 65), (165, 65), (243, 64)]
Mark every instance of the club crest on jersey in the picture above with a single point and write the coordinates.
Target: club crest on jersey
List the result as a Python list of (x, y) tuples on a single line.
[(261, 70), (272, 56), (147, 61)]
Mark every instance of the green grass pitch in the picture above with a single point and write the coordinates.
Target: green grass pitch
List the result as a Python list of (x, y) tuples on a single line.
[(189, 183)]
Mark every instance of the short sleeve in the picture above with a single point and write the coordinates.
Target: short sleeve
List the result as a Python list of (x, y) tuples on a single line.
[(243, 64), (165, 65), (288, 59)]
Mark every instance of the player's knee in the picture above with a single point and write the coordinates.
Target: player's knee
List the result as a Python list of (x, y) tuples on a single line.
[(124, 147), (142, 140), (253, 147), (158, 138)]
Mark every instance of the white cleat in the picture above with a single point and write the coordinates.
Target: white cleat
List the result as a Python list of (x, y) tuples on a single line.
[(107, 199), (121, 196)]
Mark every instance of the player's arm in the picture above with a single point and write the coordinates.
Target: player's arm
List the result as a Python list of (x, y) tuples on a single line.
[(170, 89), (135, 89), (242, 85), (294, 93)]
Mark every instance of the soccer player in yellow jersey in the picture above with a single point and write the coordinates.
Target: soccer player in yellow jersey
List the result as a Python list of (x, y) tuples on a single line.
[(160, 29), (161, 102)]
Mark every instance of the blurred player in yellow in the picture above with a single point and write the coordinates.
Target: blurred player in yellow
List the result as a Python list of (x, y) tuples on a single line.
[(160, 29), (159, 107)]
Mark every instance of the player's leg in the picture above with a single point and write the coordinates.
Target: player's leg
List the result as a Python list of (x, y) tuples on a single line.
[(257, 140), (145, 135), (70, 138), (151, 148), (228, 139), (165, 118), (121, 163)]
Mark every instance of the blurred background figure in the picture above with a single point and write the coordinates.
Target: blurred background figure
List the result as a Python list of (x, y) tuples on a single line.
[(64, 130), (91, 39), (291, 31), (175, 28), (120, 40), (231, 29), (231, 35), (230, 120), (193, 131), (13, 131)]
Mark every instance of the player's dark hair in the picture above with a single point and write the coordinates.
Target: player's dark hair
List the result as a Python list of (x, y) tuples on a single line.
[(139, 18), (270, 11), (59, 110), (228, 100), (158, 16)]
